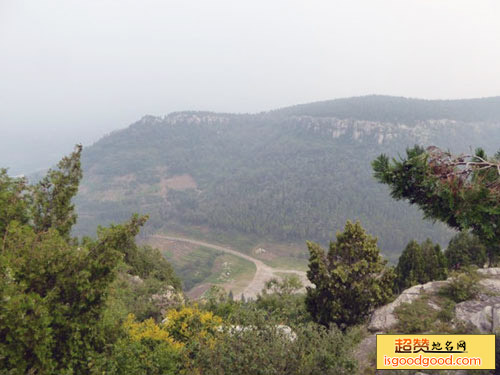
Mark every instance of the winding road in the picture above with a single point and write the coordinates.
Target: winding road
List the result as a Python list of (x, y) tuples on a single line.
[(263, 272)]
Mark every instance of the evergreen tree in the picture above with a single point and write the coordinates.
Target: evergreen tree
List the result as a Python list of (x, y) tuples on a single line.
[(419, 264), (52, 205), (350, 280), (410, 266), (435, 261), (54, 288), (14, 202), (465, 249), (53, 296), (462, 191)]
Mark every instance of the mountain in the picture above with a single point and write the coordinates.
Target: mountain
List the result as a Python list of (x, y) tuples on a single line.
[(288, 175), (399, 109)]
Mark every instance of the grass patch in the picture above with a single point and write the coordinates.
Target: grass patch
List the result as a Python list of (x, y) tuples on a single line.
[(194, 267), (415, 317), (206, 265), (235, 241), (232, 272), (420, 317), (280, 255), (290, 263)]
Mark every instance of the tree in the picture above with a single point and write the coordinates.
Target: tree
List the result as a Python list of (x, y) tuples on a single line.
[(280, 298), (52, 205), (465, 249), (288, 285), (462, 191), (14, 202), (420, 263), (53, 288), (410, 268), (350, 280), (53, 296), (435, 265)]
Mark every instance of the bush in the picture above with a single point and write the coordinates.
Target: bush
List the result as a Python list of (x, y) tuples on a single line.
[(415, 317), (190, 323), (419, 316), (463, 285), (145, 348), (280, 299), (263, 349)]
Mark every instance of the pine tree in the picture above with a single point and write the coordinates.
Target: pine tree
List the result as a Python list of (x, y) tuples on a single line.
[(410, 266), (462, 191), (464, 250), (420, 263), (350, 280), (52, 196), (53, 288)]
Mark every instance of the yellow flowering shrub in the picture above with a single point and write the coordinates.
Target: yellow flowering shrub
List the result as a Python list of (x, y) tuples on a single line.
[(148, 329), (191, 323), (146, 348), (165, 348)]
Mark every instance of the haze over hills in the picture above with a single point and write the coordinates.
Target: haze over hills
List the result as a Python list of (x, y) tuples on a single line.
[(400, 109), (288, 175)]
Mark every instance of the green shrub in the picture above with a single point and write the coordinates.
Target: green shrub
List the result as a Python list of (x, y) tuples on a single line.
[(415, 317), (447, 312), (262, 349), (463, 285), (139, 357)]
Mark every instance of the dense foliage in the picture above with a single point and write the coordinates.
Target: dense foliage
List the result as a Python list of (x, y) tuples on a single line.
[(263, 349), (420, 263), (465, 249), (462, 191), (463, 285), (54, 289), (350, 280)]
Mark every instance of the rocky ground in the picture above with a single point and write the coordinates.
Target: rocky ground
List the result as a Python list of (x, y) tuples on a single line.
[(481, 314)]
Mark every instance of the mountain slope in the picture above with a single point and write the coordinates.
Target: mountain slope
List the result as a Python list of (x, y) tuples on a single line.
[(292, 175), (399, 109)]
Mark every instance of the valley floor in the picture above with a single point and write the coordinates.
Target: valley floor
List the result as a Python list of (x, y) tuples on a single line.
[(263, 271)]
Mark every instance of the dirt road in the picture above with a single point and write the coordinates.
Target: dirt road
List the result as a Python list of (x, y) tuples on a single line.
[(263, 271)]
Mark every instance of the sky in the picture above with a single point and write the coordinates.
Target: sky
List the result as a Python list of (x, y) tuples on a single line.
[(72, 71)]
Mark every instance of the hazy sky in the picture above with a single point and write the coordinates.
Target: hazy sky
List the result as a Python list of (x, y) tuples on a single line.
[(73, 70)]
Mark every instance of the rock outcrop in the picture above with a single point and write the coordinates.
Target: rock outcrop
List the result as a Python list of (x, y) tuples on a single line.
[(384, 318), (482, 313)]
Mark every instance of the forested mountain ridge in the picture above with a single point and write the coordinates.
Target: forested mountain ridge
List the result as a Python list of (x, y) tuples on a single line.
[(292, 174), (400, 109)]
